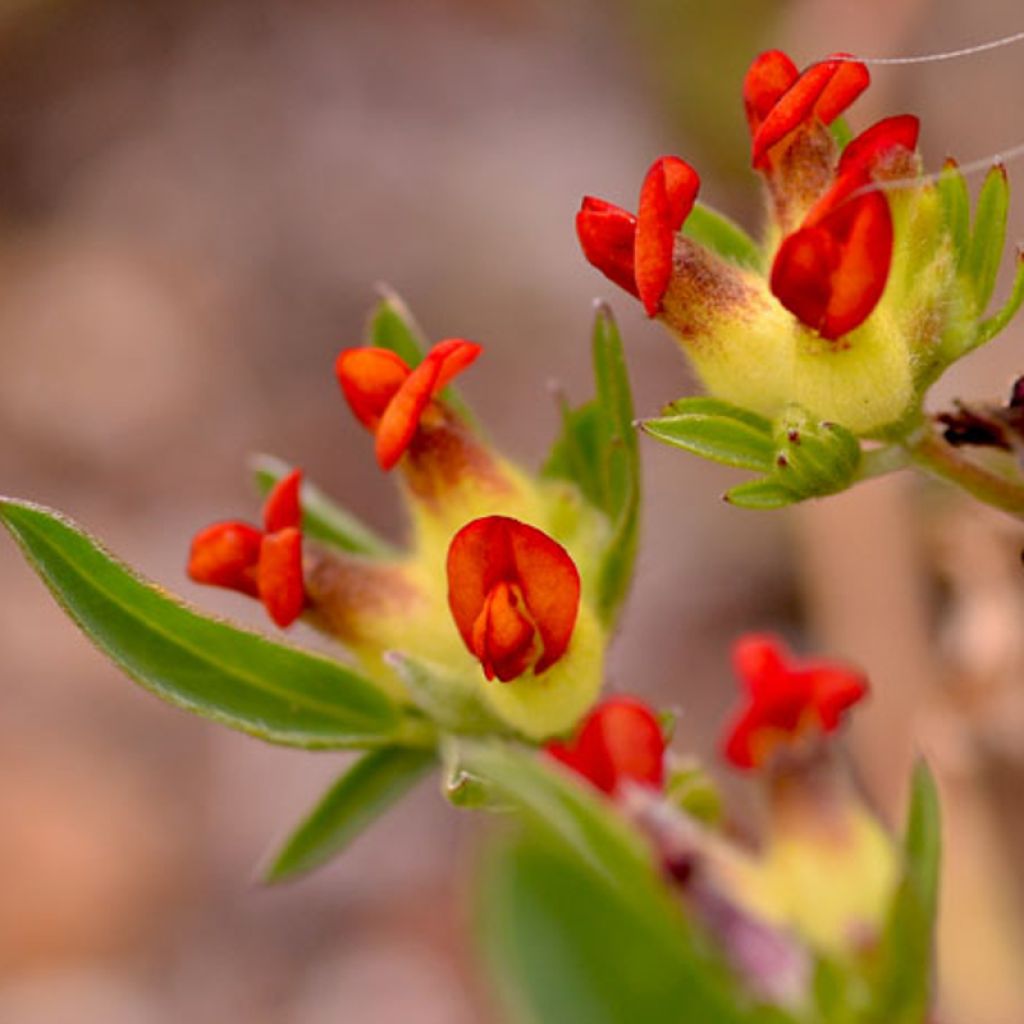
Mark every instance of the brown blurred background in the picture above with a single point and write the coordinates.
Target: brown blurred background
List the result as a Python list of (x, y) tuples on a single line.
[(196, 199)]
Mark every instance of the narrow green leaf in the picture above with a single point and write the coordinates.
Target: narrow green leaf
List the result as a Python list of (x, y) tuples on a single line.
[(710, 228), (361, 795), (565, 947), (562, 808), (321, 518), (986, 249), (705, 405), (956, 205), (576, 455), (729, 441), (761, 494), (239, 679), (621, 461), (998, 322), (392, 326), (903, 978)]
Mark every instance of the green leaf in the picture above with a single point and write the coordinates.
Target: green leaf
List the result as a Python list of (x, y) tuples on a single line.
[(237, 678), (761, 494), (391, 326), (561, 807), (986, 249), (998, 322), (718, 431), (956, 205), (902, 982), (577, 454), (710, 228), (321, 518), (358, 798), (566, 948), (621, 464)]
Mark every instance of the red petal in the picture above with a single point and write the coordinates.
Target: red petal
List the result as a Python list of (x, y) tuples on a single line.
[(369, 379), (225, 555), (849, 79), (771, 74), (502, 635), (823, 91), (401, 418), (874, 144), (494, 550), (836, 688), (282, 508), (620, 739), (623, 739), (607, 236), (832, 274), (666, 199), (784, 695), (280, 576)]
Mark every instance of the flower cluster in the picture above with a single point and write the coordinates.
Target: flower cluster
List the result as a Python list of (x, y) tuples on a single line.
[(494, 579), (854, 302)]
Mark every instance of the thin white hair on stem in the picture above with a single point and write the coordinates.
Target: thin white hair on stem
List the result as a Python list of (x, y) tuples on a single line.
[(930, 58), (1001, 158)]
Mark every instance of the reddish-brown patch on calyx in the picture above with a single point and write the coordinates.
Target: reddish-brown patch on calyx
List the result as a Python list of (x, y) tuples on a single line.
[(704, 291), (346, 593)]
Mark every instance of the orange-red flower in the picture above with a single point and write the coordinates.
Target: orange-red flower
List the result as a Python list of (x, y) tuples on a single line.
[(786, 698), (779, 99), (514, 594), (620, 740), (267, 563), (636, 252), (389, 398), (831, 272)]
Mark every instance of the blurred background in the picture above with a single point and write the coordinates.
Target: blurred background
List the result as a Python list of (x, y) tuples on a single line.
[(196, 200)]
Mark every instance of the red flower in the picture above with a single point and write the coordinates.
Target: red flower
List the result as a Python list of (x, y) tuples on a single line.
[(621, 739), (514, 594), (389, 398), (636, 252), (779, 99), (831, 272), (787, 697), (267, 563)]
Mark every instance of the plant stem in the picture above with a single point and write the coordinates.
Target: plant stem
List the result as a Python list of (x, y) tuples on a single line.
[(880, 461), (932, 454)]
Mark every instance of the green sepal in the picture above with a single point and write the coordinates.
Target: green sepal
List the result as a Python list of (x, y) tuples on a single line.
[(763, 494), (597, 451), (956, 208), (392, 326), (999, 321), (372, 784), (239, 679), (723, 236), (322, 519), (902, 974), (716, 430), (447, 700), (985, 252)]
